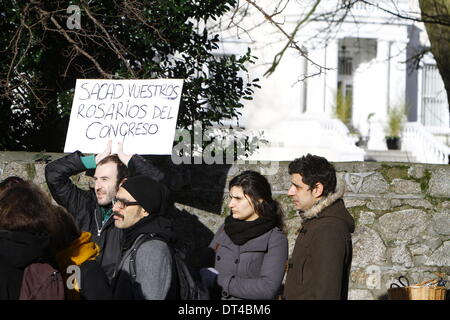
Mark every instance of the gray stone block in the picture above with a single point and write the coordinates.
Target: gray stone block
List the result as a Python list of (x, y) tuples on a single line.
[(419, 249), (366, 218), (418, 203), (359, 294), (400, 254), (439, 184), (13, 169), (404, 224), (368, 247), (379, 204), (440, 257), (416, 171), (374, 184), (442, 223), (39, 169), (292, 226), (402, 186), (396, 203), (350, 202)]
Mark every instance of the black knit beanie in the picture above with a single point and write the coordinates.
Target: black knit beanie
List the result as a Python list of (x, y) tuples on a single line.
[(147, 192)]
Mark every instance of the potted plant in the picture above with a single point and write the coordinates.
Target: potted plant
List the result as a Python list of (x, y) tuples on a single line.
[(396, 120), (343, 108)]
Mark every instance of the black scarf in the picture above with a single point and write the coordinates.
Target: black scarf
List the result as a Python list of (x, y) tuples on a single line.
[(241, 231)]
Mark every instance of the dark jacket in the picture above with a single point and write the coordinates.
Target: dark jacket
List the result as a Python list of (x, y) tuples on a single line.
[(83, 206), (17, 251), (254, 270), (319, 268)]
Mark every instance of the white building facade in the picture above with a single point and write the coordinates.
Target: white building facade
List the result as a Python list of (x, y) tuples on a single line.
[(368, 56)]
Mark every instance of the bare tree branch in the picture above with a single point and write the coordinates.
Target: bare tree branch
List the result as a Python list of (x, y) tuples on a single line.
[(74, 43), (290, 37), (111, 41)]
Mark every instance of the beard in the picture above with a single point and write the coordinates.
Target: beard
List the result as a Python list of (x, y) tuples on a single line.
[(104, 197)]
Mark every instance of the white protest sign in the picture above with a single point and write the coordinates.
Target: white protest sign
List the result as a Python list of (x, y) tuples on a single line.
[(140, 113)]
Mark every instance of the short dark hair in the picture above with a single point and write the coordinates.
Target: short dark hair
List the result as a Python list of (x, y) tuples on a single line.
[(314, 169), (255, 186), (122, 170)]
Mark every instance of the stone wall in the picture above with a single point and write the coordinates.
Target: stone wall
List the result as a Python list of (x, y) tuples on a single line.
[(402, 212)]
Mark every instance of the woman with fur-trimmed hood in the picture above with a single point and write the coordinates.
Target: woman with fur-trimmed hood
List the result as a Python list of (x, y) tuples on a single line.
[(319, 268)]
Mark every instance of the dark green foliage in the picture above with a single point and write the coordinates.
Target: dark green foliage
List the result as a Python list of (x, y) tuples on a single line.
[(41, 58)]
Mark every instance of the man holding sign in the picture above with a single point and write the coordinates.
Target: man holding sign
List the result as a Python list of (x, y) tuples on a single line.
[(141, 111), (92, 209)]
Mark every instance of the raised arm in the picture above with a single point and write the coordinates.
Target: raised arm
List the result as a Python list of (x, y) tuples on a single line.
[(62, 189), (137, 165)]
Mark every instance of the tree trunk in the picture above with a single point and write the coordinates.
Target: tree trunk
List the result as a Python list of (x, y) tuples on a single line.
[(438, 31)]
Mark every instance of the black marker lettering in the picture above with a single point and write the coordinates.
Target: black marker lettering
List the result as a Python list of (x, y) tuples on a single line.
[(144, 112), (90, 112), (138, 127), (131, 89), (155, 128), (133, 109), (101, 109), (120, 130), (106, 133), (87, 91), (110, 113), (95, 93), (155, 116), (88, 128), (80, 108), (131, 127), (116, 95), (119, 109)]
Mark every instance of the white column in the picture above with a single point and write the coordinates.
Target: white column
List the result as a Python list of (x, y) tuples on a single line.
[(331, 77), (379, 96)]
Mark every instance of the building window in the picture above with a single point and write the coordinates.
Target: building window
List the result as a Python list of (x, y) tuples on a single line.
[(434, 111), (345, 62)]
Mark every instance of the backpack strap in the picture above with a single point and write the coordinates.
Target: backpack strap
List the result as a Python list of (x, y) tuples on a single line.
[(139, 241), (173, 291)]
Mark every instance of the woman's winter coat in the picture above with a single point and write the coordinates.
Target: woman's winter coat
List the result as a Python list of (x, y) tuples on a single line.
[(17, 251), (254, 270)]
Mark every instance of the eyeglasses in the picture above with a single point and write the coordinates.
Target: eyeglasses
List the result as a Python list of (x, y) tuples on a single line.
[(123, 204)]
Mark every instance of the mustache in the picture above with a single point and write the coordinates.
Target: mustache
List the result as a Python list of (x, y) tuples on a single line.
[(119, 215)]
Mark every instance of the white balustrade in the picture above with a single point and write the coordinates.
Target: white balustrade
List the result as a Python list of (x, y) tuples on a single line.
[(423, 145)]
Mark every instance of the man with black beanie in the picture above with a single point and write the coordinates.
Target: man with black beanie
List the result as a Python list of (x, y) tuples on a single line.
[(139, 208)]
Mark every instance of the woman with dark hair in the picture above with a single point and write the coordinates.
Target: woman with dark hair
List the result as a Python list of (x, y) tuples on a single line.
[(34, 231), (250, 248), (26, 225)]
